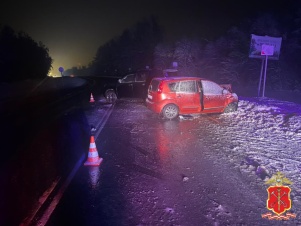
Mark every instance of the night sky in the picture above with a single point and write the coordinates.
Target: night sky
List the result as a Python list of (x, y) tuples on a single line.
[(73, 30)]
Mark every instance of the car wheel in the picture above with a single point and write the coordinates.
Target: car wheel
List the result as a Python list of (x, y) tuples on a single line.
[(110, 96), (231, 107), (170, 111)]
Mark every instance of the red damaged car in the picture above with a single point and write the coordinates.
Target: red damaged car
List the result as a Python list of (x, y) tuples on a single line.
[(174, 96)]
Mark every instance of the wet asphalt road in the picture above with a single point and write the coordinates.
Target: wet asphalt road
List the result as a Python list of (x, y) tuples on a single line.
[(158, 172)]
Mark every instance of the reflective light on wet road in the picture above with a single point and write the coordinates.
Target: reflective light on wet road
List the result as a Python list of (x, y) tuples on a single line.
[(94, 173)]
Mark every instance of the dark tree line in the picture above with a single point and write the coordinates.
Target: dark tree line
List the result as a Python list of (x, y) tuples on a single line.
[(131, 51), (225, 60), (21, 57)]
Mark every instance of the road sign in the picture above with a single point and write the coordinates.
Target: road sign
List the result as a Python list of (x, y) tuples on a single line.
[(258, 41), (267, 50), (61, 69)]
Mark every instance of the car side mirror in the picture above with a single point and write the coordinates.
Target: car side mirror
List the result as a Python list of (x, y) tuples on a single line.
[(120, 80)]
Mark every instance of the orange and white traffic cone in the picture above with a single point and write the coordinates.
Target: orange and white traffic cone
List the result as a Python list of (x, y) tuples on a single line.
[(93, 158), (91, 99)]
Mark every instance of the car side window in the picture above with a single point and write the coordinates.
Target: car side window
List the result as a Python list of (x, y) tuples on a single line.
[(199, 84), (140, 77), (173, 86), (129, 78), (187, 87), (211, 88), (154, 85)]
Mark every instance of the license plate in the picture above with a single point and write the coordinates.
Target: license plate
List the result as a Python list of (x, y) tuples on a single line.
[(149, 96)]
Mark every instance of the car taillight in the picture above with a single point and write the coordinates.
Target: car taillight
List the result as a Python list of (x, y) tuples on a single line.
[(160, 88)]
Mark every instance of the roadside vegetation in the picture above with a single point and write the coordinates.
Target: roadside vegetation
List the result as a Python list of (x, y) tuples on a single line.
[(224, 59), (21, 57)]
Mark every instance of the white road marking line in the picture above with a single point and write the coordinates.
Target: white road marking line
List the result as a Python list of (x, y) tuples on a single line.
[(103, 121), (46, 215), (43, 220), (42, 200)]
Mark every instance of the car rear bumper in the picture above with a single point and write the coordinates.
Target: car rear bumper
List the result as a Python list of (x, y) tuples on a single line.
[(153, 106)]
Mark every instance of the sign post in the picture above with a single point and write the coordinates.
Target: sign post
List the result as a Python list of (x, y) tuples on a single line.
[(264, 47), (61, 69), (266, 50), (261, 73)]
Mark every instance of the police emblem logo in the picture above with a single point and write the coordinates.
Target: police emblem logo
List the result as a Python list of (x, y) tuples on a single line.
[(279, 200)]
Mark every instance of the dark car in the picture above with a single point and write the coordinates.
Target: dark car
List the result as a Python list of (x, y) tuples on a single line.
[(133, 85)]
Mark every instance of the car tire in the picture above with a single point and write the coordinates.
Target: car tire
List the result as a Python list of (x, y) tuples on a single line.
[(231, 108), (170, 111), (110, 96)]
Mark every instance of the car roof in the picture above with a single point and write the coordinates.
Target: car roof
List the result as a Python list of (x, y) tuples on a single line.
[(178, 78)]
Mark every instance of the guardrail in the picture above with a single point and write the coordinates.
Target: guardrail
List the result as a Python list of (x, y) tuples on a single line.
[(42, 136)]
